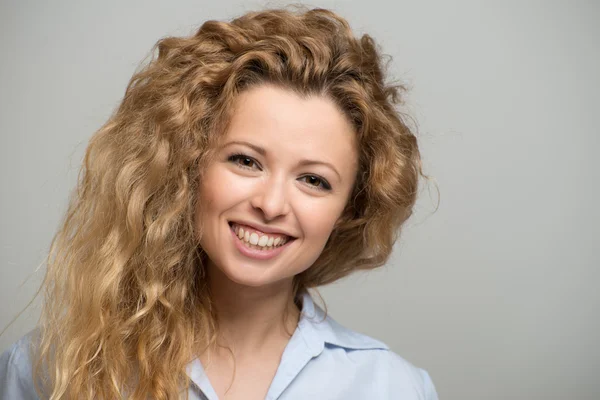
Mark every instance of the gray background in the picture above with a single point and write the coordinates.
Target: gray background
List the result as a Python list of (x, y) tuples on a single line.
[(494, 294)]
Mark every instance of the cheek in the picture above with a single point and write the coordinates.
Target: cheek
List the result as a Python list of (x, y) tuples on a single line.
[(222, 187), (215, 191), (210, 199), (318, 219), (219, 192)]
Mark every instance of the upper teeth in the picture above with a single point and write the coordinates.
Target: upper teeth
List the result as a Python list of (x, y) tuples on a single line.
[(259, 239)]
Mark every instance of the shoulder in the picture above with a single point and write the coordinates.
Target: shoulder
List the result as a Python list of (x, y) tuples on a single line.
[(365, 363), (382, 367), (395, 373), (16, 381)]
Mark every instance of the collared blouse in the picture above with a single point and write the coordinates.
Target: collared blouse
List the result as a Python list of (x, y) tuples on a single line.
[(323, 360)]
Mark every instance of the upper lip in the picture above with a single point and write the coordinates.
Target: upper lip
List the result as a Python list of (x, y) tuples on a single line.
[(262, 228)]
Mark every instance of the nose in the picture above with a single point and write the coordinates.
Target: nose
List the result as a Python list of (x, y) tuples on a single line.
[(271, 198)]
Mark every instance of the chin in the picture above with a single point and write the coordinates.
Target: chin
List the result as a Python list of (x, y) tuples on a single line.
[(247, 275), (243, 274), (245, 280)]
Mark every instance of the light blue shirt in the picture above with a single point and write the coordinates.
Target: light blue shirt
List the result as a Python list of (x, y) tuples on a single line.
[(323, 360)]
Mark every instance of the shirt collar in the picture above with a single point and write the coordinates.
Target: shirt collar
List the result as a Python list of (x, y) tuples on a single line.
[(319, 330), (315, 332)]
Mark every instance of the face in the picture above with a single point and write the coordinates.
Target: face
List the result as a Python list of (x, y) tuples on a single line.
[(281, 179)]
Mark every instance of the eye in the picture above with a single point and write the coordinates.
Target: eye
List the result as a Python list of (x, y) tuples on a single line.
[(243, 161), (316, 182)]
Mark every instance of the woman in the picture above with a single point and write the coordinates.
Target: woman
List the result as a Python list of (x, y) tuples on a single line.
[(245, 165)]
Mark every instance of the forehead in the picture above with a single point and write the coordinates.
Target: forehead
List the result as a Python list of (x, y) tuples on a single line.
[(287, 125)]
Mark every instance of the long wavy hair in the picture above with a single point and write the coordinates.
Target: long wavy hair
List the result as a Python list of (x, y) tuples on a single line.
[(127, 305)]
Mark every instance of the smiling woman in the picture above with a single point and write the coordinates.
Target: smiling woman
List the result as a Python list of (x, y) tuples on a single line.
[(248, 163), (261, 183)]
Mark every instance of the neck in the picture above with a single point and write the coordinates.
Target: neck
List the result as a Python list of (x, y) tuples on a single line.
[(252, 318)]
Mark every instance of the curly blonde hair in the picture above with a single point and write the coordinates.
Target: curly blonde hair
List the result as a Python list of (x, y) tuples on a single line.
[(127, 305)]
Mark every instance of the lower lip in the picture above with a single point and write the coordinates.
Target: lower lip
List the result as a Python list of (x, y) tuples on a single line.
[(256, 253)]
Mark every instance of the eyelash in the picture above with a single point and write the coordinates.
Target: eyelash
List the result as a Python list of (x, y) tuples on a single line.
[(240, 156)]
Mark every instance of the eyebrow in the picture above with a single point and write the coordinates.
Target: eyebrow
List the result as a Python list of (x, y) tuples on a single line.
[(263, 152)]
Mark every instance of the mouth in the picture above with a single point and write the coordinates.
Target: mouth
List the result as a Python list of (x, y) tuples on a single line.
[(258, 240), (258, 245)]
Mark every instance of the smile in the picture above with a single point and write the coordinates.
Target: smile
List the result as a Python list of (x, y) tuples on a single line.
[(259, 239), (255, 244)]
